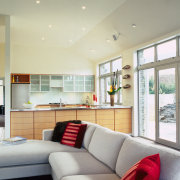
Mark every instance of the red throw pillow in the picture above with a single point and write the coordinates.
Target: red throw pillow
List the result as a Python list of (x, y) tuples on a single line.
[(146, 169), (74, 134)]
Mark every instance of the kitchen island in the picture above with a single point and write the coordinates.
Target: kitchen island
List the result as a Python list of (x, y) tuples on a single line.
[(30, 123)]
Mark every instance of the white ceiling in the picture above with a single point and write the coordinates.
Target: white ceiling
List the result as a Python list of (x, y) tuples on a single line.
[(102, 18)]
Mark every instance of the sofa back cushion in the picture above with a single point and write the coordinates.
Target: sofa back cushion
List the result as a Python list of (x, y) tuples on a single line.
[(133, 151), (105, 145), (88, 134)]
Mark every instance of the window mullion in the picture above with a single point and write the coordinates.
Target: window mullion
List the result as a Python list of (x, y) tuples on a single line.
[(177, 46)]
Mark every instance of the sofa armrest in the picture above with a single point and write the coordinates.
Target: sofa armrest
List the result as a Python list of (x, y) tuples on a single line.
[(47, 134)]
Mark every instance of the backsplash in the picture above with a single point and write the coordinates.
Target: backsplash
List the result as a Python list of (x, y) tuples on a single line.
[(54, 95)]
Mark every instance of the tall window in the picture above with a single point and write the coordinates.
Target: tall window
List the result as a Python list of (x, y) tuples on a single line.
[(105, 77), (1, 93), (159, 79)]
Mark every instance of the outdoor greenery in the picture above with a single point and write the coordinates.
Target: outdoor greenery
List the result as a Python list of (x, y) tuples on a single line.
[(164, 88)]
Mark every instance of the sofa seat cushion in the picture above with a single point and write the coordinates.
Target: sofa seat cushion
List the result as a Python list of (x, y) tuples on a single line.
[(93, 177), (133, 151), (74, 163), (106, 144), (31, 152)]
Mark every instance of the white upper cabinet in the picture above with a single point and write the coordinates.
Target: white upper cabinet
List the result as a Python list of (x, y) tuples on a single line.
[(35, 83), (56, 81), (40, 83), (79, 84), (69, 83), (45, 83), (89, 83)]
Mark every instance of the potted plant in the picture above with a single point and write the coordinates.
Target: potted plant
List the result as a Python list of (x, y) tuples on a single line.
[(113, 88)]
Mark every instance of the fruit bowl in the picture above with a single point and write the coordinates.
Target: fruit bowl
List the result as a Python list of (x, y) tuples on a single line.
[(28, 106)]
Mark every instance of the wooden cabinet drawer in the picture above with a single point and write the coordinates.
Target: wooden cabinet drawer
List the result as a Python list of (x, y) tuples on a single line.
[(86, 115), (22, 124), (43, 120), (21, 114), (105, 118), (65, 115), (44, 125), (123, 120), (44, 114)]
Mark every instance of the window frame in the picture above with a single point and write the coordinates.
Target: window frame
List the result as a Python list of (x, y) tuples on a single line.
[(104, 76), (159, 64)]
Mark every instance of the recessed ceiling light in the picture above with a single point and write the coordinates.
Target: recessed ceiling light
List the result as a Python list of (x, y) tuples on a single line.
[(50, 26), (133, 25), (83, 28), (92, 50), (70, 41), (43, 38), (107, 40), (83, 7), (37, 2)]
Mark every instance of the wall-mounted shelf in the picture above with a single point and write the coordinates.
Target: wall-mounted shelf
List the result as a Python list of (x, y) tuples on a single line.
[(126, 67), (126, 86), (126, 76), (20, 78)]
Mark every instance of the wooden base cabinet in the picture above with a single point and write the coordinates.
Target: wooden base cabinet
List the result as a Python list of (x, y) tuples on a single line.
[(87, 115), (65, 115), (22, 124), (105, 118), (31, 124), (43, 120), (123, 120)]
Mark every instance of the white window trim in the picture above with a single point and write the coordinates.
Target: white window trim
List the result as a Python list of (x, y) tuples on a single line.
[(158, 64), (104, 76)]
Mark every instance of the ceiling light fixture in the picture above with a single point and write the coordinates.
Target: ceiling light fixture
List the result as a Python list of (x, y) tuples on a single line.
[(134, 25), (43, 38), (50, 26), (70, 41), (37, 2), (116, 36), (83, 28), (83, 7), (107, 40), (92, 50)]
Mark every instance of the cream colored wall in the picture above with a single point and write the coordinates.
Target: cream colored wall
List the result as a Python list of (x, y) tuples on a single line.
[(128, 57), (42, 59), (2, 60)]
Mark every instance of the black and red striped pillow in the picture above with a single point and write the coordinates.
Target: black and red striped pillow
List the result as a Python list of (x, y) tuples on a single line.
[(74, 134)]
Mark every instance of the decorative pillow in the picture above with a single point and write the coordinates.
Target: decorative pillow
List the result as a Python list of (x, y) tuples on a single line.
[(146, 169), (60, 128), (74, 134)]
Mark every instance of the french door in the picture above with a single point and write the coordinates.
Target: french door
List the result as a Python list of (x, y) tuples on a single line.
[(167, 104)]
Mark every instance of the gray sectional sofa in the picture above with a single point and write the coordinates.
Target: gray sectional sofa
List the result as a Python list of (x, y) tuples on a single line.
[(105, 155)]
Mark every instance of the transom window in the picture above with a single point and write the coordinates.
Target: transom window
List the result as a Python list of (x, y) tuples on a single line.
[(105, 77)]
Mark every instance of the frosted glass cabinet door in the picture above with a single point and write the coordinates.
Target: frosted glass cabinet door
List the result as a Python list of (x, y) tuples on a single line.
[(79, 83), (35, 83), (45, 83), (89, 83), (68, 83)]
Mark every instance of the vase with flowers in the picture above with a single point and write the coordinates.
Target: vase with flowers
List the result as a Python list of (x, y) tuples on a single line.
[(113, 88)]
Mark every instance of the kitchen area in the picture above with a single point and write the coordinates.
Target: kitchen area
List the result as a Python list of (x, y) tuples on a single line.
[(40, 101)]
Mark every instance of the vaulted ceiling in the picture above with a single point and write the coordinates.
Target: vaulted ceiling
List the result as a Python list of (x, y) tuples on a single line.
[(88, 31)]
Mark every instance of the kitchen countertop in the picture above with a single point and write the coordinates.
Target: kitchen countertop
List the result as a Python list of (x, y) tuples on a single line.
[(73, 108)]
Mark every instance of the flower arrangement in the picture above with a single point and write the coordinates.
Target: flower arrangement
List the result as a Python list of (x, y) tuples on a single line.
[(113, 88)]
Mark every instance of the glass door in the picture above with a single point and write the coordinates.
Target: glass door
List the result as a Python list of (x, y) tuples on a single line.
[(167, 105)]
